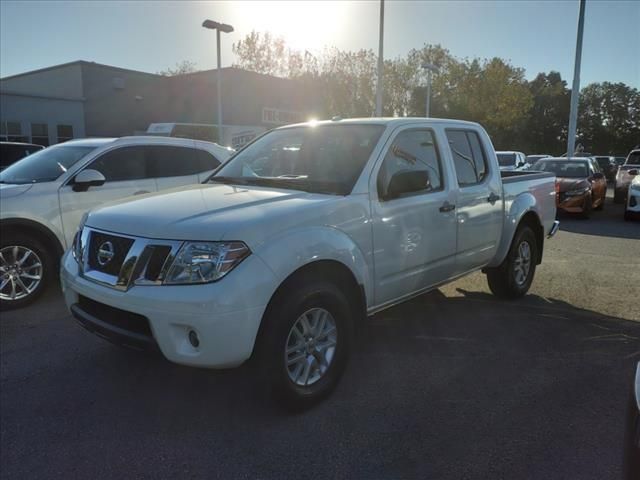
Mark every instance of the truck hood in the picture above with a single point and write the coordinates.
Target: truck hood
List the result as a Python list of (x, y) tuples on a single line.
[(567, 184), (210, 212), (8, 190)]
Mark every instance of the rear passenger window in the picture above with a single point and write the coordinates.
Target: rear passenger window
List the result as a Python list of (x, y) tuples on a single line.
[(168, 161), (121, 164), (468, 156), (412, 150)]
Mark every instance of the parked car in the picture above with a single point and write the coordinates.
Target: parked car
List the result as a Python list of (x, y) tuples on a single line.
[(11, 152), (580, 185), (619, 160), (608, 166), (511, 160), (632, 209), (623, 178), (632, 437), (274, 258), (44, 196), (532, 159)]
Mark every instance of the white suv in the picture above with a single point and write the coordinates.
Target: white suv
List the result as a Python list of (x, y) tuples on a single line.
[(44, 196)]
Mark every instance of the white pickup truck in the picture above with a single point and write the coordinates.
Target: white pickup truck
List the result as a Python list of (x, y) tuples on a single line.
[(304, 231)]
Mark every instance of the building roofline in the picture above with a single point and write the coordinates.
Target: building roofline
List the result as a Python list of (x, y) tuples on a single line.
[(80, 63)]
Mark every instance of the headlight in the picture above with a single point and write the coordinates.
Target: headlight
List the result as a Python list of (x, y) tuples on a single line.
[(76, 246), (202, 262), (579, 191)]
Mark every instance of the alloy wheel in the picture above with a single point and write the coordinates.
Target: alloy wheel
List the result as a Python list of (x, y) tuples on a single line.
[(20, 272), (310, 346)]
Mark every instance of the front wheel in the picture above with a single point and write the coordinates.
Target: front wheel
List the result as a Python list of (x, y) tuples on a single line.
[(25, 269), (513, 278), (304, 344)]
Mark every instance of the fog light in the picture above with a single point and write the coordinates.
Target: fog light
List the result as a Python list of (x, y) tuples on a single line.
[(193, 339)]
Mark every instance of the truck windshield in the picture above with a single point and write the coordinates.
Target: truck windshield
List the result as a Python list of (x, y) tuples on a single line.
[(318, 159), (563, 168), (506, 159), (45, 165)]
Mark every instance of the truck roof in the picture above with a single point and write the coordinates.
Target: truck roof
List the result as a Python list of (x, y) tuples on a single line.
[(387, 121)]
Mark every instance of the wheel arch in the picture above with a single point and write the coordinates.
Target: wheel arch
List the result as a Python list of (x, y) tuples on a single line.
[(332, 270), (36, 229), (532, 220)]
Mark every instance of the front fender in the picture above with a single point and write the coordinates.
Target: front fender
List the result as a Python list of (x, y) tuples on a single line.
[(514, 211), (286, 253)]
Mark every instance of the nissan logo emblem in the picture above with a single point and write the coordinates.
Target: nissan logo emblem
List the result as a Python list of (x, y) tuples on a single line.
[(106, 252)]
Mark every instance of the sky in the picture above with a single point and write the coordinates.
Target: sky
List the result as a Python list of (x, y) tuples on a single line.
[(153, 35)]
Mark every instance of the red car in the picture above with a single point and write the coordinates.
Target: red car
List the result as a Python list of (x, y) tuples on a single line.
[(580, 184)]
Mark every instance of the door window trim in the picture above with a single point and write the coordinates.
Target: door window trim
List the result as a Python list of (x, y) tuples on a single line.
[(438, 157), (484, 157)]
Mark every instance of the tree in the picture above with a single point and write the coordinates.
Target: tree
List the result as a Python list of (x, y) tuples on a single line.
[(609, 118), (185, 66)]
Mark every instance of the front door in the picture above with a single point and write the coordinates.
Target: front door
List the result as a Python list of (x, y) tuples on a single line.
[(479, 205), (414, 233), (126, 173)]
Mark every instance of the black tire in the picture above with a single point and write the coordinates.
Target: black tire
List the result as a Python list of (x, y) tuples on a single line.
[(46, 259), (279, 321), (588, 206), (502, 280)]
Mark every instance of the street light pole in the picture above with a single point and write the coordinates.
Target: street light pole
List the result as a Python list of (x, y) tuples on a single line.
[(575, 89), (219, 86), (431, 69), (218, 27), (380, 62)]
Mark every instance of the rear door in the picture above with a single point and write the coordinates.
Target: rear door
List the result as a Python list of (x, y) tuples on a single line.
[(479, 205), (414, 235), (175, 166), (126, 172)]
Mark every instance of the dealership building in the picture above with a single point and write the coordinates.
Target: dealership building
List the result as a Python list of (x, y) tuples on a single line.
[(86, 99)]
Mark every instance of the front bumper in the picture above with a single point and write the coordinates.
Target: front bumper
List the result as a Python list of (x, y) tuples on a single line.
[(633, 202), (574, 204), (225, 315)]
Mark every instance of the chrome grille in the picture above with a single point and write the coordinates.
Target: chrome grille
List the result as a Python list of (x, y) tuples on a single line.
[(131, 260)]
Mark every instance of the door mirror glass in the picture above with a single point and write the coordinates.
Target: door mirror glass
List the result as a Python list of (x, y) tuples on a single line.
[(408, 181), (87, 178)]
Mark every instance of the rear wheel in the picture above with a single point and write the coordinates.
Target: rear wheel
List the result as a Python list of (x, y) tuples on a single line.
[(26, 267), (305, 343), (513, 278)]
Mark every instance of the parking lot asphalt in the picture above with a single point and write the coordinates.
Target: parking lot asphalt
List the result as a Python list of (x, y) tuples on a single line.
[(454, 384)]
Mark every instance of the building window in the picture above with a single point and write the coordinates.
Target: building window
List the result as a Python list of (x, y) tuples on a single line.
[(11, 132), (65, 132), (40, 134)]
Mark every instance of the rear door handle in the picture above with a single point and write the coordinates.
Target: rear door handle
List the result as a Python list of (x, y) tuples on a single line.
[(493, 198), (447, 207)]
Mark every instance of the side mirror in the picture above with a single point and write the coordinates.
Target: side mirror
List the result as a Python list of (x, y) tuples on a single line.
[(88, 178), (633, 172), (598, 176), (407, 181)]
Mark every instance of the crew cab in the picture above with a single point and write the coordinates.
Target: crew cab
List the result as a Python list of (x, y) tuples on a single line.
[(44, 196), (304, 231)]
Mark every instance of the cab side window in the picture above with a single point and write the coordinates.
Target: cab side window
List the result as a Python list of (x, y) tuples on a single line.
[(122, 164), (412, 151), (170, 161), (468, 156)]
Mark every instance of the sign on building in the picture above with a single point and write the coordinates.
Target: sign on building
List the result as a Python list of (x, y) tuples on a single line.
[(273, 116)]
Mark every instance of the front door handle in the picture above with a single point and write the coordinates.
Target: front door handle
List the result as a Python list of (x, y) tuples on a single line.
[(493, 198), (447, 207), (141, 192)]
